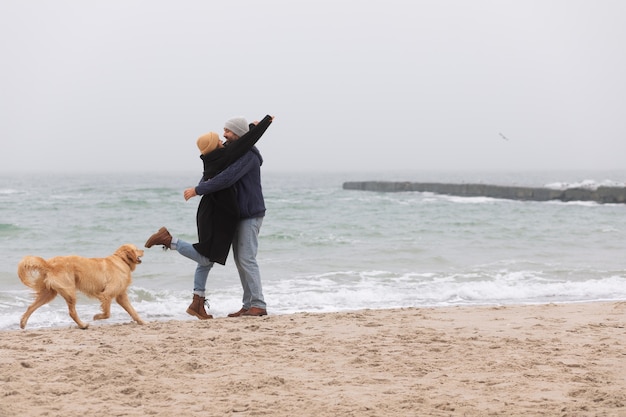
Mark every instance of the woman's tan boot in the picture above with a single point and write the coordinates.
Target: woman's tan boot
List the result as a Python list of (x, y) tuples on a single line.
[(197, 308), (162, 237)]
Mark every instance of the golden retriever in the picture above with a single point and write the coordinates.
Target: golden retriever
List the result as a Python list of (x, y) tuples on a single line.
[(102, 278)]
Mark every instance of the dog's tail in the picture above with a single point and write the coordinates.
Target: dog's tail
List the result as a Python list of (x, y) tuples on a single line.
[(32, 269)]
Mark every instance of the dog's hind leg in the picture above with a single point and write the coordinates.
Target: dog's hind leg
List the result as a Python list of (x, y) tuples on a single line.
[(43, 297), (123, 300), (70, 299)]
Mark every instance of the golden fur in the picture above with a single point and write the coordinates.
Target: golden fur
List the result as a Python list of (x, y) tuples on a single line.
[(102, 278)]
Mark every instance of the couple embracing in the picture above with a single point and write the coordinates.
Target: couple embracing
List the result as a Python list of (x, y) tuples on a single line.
[(230, 213)]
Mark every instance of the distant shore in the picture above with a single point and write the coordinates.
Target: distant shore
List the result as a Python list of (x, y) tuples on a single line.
[(565, 360), (605, 195)]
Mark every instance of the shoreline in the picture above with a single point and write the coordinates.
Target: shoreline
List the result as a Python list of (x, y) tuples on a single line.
[(120, 317), (541, 359)]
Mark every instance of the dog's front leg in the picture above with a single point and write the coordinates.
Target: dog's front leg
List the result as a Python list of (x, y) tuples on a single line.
[(123, 300), (106, 309)]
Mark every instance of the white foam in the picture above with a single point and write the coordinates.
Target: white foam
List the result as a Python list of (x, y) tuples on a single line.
[(585, 184)]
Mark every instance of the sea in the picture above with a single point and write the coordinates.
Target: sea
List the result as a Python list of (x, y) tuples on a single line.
[(323, 248)]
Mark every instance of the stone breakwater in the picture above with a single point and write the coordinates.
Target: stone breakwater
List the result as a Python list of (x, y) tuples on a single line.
[(605, 195)]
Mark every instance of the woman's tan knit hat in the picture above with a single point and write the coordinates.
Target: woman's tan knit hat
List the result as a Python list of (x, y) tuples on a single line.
[(208, 142)]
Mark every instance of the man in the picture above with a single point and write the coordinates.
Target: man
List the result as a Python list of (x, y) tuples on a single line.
[(245, 175)]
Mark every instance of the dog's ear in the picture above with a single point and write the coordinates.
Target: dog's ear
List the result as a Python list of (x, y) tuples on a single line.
[(130, 254)]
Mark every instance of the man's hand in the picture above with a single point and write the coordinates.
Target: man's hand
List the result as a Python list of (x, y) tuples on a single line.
[(189, 193)]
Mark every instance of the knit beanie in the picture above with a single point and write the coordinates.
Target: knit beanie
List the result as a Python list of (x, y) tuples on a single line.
[(237, 125), (208, 142)]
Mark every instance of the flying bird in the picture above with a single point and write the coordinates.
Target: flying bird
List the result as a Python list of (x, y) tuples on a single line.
[(504, 137)]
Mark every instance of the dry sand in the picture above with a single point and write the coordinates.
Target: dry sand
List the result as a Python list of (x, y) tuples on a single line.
[(555, 360)]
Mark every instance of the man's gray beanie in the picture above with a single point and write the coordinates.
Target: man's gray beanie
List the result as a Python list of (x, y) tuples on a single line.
[(237, 125)]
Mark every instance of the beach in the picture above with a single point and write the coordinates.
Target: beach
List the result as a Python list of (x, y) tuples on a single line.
[(549, 359)]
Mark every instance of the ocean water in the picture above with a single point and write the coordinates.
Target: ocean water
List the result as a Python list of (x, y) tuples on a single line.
[(323, 248)]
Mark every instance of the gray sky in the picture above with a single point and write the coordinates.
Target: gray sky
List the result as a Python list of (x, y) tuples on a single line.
[(354, 85)]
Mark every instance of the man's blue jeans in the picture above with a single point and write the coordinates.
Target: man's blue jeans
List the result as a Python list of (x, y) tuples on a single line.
[(245, 247)]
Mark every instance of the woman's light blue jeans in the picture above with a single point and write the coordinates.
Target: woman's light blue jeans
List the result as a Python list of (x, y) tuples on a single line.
[(202, 270)]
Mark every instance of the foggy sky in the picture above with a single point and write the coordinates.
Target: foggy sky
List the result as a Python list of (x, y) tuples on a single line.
[(374, 85)]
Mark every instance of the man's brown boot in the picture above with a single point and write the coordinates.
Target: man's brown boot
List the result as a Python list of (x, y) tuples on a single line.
[(197, 308), (238, 313), (255, 311), (162, 237)]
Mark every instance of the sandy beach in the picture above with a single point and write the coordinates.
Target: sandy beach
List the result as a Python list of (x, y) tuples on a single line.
[(556, 360)]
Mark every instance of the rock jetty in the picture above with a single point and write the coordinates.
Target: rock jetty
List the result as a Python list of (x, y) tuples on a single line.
[(604, 195)]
